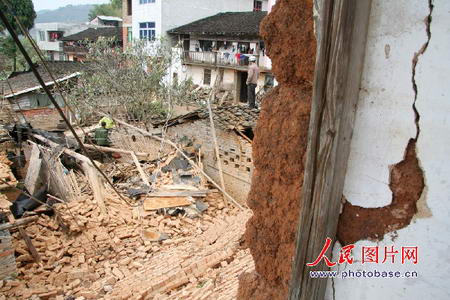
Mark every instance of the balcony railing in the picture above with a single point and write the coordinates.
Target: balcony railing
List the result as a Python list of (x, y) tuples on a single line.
[(219, 58)]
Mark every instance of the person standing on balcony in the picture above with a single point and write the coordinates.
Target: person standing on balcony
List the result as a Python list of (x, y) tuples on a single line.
[(252, 80)]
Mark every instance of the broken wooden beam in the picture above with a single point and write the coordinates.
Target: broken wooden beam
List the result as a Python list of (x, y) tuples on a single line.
[(67, 151), (17, 223), (109, 149), (144, 176), (26, 238)]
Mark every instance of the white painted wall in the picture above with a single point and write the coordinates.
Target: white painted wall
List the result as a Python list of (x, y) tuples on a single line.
[(148, 12), (179, 12), (169, 14), (384, 124)]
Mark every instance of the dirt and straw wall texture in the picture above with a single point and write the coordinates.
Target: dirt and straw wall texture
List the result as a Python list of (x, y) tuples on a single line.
[(279, 150)]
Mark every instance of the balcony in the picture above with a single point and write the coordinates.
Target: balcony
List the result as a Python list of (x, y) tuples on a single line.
[(225, 60)]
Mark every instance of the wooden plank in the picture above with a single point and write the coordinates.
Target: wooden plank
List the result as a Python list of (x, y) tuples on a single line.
[(343, 29), (17, 223), (109, 149), (154, 203), (96, 186), (34, 169)]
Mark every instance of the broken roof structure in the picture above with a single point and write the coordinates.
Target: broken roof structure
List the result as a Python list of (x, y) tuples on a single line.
[(229, 117), (93, 34), (230, 24), (25, 82)]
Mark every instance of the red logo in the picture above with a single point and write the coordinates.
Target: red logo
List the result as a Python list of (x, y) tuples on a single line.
[(369, 254)]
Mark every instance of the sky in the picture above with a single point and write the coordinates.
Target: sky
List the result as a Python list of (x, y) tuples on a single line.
[(54, 4)]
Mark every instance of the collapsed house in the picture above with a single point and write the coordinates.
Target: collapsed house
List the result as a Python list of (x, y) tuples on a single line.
[(234, 129), (23, 95)]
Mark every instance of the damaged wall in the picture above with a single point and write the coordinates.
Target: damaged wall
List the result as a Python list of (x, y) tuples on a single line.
[(398, 170), (279, 147), (235, 153)]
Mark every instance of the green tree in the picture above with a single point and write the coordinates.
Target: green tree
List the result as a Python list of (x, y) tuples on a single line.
[(134, 82), (14, 60), (24, 11), (114, 8)]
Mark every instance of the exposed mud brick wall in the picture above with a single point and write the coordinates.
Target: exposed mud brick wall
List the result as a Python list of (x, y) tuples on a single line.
[(279, 148), (407, 183)]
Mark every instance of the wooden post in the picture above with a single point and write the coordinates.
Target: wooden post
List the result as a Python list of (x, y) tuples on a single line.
[(219, 78), (26, 238), (343, 29)]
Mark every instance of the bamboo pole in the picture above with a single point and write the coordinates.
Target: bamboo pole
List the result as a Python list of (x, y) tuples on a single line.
[(213, 128)]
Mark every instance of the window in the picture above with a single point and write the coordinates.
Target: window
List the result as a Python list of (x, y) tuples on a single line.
[(257, 5), (42, 35), (146, 1), (207, 76), (129, 34), (147, 31), (62, 56)]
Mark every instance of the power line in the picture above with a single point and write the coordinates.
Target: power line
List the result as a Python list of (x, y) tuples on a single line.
[(52, 99)]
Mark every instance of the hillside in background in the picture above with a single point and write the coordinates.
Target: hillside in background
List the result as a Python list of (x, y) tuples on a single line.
[(66, 14)]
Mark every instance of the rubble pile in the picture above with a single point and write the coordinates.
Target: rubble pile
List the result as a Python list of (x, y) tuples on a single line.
[(5, 171), (206, 267), (99, 254)]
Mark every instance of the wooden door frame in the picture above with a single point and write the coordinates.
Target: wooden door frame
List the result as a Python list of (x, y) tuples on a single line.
[(342, 34)]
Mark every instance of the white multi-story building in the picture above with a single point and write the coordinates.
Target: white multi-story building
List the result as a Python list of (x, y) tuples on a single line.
[(48, 37), (202, 52), (151, 19)]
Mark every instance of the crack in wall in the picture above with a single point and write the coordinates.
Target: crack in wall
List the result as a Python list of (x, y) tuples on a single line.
[(415, 60), (406, 182)]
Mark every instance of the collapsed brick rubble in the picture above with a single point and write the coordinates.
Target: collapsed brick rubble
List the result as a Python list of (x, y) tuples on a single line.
[(87, 254)]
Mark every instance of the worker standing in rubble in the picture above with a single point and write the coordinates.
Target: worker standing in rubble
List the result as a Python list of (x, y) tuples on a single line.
[(252, 80), (101, 136)]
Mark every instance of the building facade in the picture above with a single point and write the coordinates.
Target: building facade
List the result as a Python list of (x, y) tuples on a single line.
[(149, 19), (48, 37), (223, 43)]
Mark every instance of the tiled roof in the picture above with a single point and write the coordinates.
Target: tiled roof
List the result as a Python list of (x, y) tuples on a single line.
[(225, 24), (229, 117), (92, 34), (26, 80)]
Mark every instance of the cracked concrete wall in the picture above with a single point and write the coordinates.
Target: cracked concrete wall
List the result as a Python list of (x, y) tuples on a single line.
[(386, 125)]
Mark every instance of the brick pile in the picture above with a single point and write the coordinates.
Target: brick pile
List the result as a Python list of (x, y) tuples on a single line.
[(206, 267), (107, 256), (5, 170)]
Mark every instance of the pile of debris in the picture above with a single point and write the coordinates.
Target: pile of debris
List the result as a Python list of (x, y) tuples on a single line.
[(6, 173), (173, 236)]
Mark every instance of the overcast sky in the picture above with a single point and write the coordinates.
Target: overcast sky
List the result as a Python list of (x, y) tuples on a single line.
[(54, 4)]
